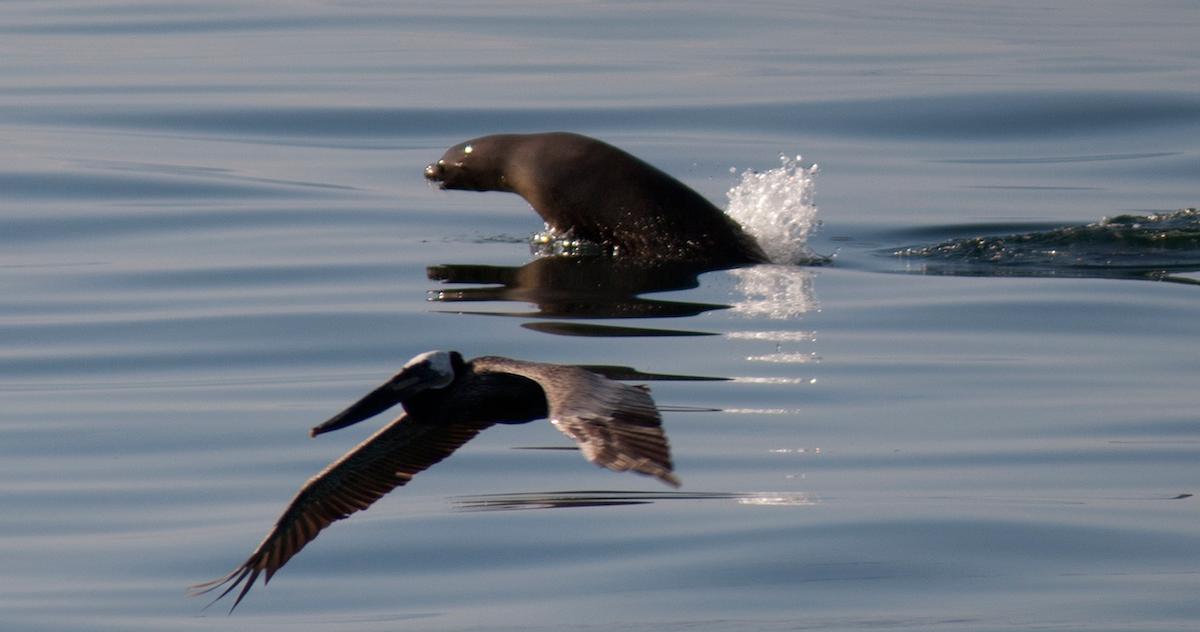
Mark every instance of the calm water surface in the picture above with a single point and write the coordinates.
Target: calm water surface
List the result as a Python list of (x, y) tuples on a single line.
[(214, 233)]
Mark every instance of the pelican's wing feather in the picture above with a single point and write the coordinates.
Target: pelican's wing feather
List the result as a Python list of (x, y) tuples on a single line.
[(386, 460), (616, 425)]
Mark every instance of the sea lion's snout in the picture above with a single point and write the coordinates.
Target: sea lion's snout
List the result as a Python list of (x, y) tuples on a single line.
[(435, 171)]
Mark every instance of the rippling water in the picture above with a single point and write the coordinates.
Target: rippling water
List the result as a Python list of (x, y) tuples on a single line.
[(1149, 247), (214, 233)]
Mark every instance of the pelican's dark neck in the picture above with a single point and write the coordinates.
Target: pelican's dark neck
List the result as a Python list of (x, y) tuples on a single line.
[(485, 397)]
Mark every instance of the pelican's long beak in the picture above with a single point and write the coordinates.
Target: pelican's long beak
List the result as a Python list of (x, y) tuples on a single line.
[(433, 369), (391, 393), (377, 401)]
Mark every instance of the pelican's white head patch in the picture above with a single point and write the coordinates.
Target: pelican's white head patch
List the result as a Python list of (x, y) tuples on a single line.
[(437, 367)]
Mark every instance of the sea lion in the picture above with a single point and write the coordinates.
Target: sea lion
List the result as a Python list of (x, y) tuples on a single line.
[(587, 189)]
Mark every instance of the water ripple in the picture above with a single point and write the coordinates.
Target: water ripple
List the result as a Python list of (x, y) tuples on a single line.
[(81, 185), (1125, 243), (977, 115)]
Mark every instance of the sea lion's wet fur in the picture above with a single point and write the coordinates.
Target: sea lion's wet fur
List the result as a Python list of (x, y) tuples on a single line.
[(590, 190)]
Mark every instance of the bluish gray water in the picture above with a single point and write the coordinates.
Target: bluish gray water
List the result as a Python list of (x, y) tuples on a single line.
[(214, 233)]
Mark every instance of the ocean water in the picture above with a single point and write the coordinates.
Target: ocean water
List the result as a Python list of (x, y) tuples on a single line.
[(972, 407)]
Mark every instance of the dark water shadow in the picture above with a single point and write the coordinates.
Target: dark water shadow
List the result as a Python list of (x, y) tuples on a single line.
[(1153, 247), (579, 287)]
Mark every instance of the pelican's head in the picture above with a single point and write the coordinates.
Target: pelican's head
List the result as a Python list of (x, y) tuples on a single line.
[(429, 370), (432, 369)]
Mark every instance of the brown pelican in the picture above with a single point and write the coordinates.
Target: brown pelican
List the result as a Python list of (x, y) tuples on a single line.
[(447, 401)]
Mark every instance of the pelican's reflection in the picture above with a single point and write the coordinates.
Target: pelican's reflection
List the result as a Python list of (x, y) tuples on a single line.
[(568, 499), (448, 401)]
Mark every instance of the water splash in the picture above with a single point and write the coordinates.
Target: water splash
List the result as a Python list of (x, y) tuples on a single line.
[(552, 243), (776, 208)]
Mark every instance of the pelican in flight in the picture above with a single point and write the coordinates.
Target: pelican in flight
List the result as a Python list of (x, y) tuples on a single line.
[(447, 401)]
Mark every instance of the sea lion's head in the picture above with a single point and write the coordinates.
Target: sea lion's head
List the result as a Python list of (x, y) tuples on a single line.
[(474, 165)]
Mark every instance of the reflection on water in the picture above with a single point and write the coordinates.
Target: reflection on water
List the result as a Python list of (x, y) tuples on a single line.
[(603, 287), (776, 292), (592, 330), (592, 287), (577, 287), (573, 499)]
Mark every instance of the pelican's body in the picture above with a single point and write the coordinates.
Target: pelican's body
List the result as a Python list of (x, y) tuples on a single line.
[(447, 401)]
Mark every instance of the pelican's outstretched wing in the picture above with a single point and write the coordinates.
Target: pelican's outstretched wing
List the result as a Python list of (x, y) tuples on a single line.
[(385, 461), (616, 425)]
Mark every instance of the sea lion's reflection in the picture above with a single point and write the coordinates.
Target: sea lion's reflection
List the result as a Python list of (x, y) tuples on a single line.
[(579, 288)]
